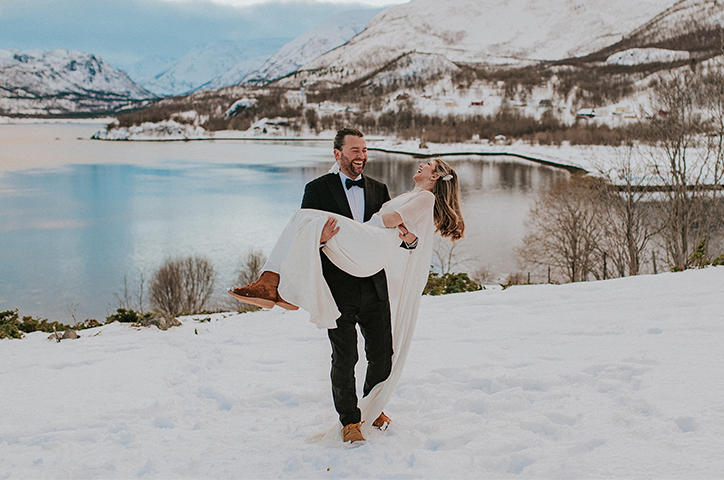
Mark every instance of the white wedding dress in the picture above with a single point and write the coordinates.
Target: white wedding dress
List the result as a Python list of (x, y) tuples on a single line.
[(361, 250)]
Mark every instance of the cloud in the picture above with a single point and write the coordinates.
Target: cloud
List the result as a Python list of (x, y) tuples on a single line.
[(123, 31)]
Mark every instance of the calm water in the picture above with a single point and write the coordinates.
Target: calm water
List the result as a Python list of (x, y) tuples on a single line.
[(79, 216)]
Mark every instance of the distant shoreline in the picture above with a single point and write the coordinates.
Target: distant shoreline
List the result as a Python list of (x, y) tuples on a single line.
[(570, 168), (389, 145), (564, 157)]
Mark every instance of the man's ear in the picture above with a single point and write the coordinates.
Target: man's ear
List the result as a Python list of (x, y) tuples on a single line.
[(337, 153)]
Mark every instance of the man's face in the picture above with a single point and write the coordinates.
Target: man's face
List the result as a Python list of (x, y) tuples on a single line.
[(353, 156)]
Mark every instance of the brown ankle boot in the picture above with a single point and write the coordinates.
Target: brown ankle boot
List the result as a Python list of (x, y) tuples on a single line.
[(352, 433), (382, 422), (262, 293)]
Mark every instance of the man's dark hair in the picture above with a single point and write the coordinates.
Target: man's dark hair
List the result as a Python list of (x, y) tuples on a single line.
[(339, 138)]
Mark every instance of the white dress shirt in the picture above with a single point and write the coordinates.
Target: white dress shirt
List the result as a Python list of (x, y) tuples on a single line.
[(355, 198)]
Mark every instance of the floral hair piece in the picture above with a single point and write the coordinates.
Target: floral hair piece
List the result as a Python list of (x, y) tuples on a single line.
[(447, 177)]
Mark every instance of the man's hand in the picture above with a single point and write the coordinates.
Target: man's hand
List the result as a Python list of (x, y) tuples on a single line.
[(406, 236), (329, 230)]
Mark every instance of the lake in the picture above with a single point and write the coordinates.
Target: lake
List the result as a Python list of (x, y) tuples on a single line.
[(79, 217)]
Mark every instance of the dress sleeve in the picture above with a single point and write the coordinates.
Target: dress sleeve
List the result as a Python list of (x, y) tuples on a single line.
[(418, 206)]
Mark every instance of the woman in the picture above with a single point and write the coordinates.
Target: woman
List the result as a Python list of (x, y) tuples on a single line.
[(295, 269)]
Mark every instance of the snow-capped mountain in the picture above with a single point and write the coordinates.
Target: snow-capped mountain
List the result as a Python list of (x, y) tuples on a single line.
[(481, 31), (235, 75), (197, 67), (329, 34), (62, 81), (147, 68)]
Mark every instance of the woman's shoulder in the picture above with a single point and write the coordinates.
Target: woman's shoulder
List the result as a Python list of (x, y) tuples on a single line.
[(427, 195)]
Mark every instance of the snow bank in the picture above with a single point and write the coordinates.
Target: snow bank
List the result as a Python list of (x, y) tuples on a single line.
[(164, 130), (637, 56), (618, 378)]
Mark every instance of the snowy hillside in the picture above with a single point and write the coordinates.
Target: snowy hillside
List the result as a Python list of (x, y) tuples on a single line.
[(610, 379), (490, 31), (199, 66), (329, 34), (235, 75), (145, 69), (61, 81), (684, 17)]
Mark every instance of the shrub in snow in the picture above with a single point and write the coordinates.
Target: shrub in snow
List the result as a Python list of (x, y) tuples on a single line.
[(698, 258), (126, 316), (718, 261), (450, 283), (11, 326), (163, 321)]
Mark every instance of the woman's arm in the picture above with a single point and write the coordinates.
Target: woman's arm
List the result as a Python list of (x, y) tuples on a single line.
[(392, 219)]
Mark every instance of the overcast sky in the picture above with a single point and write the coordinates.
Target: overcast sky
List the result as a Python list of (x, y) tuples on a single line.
[(246, 3), (127, 31)]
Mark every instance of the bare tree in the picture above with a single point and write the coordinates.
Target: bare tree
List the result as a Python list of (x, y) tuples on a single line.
[(73, 310), (248, 271), (712, 101), (681, 161), (446, 255), (132, 298), (565, 229), (166, 288), (628, 221), (199, 278), (443, 255), (182, 285), (250, 267)]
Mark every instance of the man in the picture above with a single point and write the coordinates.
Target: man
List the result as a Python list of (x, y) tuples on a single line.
[(362, 301)]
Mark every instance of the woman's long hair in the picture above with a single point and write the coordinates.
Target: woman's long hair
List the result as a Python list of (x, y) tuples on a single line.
[(448, 217)]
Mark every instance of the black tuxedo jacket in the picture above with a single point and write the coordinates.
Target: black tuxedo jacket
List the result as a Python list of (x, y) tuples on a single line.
[(327, 193)]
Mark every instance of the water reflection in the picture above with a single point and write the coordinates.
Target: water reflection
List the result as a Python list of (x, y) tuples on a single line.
[(69, 235)]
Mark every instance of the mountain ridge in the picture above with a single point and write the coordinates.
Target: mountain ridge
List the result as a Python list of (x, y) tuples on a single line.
[(507, 32), (63, 82)]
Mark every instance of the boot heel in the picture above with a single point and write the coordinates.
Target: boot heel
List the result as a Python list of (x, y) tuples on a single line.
[(285, 305)]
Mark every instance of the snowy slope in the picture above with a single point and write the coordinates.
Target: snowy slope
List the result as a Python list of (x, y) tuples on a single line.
[(329, 34), (494, 31), (145, 69), (199, 66), (683, 17), (235, 75), (612, 379)]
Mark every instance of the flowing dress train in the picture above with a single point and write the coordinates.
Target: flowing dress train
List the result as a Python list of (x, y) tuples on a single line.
[(360, 250)]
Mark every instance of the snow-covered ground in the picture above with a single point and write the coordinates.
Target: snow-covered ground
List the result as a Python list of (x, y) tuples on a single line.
[(610, 379)]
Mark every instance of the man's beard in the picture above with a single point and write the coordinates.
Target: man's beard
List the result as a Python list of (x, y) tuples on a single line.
[(352, 167)]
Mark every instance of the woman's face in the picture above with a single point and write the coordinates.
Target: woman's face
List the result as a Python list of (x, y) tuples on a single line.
[(426, 172)]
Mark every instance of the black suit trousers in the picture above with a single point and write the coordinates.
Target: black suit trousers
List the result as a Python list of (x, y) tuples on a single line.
[(359, 304)]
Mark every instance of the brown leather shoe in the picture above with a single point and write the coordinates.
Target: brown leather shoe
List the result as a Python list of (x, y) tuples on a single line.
[(382, 422), (262, 293), (352, 433)]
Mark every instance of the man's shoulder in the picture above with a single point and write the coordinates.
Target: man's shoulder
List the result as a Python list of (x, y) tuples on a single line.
[(322, 180)]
